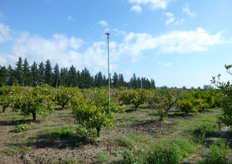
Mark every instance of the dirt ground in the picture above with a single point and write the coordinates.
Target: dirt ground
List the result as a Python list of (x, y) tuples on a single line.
[(16, 148), (36, 146)]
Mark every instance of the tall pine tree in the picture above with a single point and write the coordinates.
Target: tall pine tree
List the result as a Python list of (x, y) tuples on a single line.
[(11, 79), (115, 80), (73, 77), (98, 79), (34, 74), (56, 76), (26, 73), (48, 72), (3, 75), (41, 74), (64, 77), (19, 71)]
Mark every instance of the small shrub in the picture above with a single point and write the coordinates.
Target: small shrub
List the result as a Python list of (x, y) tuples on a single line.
[(166, 151), (102, 157), (201, 131), (21, 127), (63, 133), (81, 132), (222, 144), (116, 153), (185, 146), (125, 141), (216, 154), (134, 155)]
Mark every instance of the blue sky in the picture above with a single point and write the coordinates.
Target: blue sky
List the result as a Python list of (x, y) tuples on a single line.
[(175, 42)]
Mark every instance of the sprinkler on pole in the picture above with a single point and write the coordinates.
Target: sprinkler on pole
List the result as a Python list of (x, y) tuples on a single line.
[(108, 34)]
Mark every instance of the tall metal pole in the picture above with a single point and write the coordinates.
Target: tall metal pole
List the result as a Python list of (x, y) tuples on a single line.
[(108, 34), (142, 83)]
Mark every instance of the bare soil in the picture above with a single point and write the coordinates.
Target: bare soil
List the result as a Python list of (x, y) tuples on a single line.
[(36, 145)]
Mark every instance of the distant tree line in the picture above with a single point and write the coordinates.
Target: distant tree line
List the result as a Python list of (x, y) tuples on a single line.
[(25, 74)]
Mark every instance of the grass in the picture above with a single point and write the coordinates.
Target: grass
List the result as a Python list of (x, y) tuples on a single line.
[(18, 149), (131, 140), (203, 130), (164, 151), (102, 157), (217, 153), (69, 161), (63, 133), (201, 118), (125, 117), (131, 147), (21, 127)]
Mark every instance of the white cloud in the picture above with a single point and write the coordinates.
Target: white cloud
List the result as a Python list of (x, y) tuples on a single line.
[(3, 60), (172, 42), (178, 22), (67, 51), (188, 41), (154, 4), (186, 10), (4, 33), (117, 32), (59, 49), (170, 19), (136, 8), (103, 23), (165, 64), (70, 18)]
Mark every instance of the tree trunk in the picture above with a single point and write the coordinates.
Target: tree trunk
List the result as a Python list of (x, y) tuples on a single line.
[(98, 131), (3, 109), (161, 117), (34, 116), (136, 107)]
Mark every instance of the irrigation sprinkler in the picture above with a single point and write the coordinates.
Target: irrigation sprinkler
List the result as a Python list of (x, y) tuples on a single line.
[(108, 37)]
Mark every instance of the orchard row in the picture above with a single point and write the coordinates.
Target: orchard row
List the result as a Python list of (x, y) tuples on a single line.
[(91, 106)]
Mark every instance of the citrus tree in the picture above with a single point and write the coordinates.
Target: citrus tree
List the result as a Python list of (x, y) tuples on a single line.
[(64, 95), (92, 110), (135, 97), (186, 104), (166, 100), (226, 103), (33, 101), (92, 117), (6, 95), (152, 99)]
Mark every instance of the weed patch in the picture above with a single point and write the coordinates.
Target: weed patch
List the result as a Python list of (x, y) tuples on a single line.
[(69, 161), (102, 157), (131, 140), (204, 130), (21, 127), (216, 154), (63, 133), (165, 151)]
